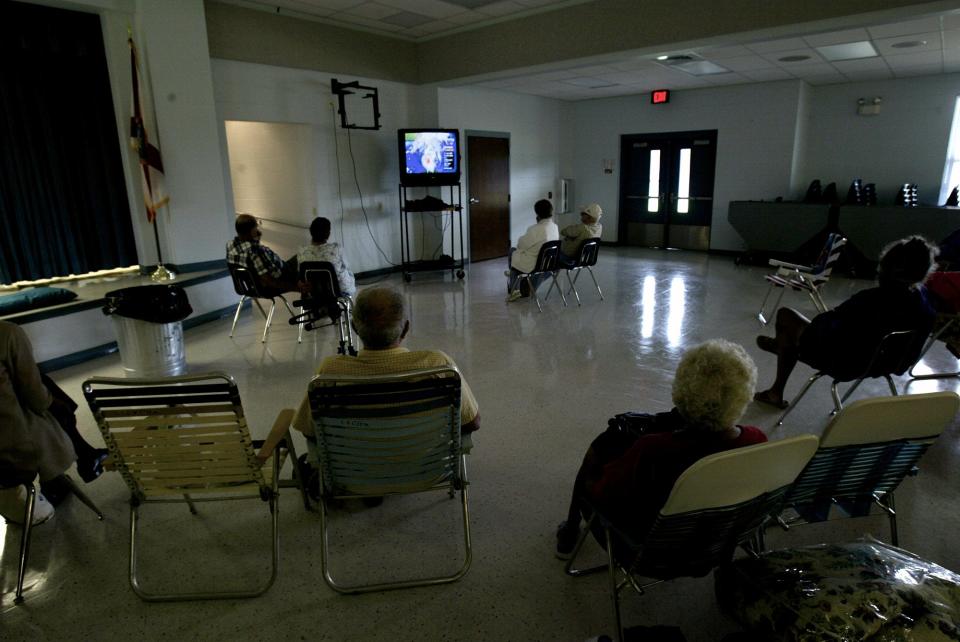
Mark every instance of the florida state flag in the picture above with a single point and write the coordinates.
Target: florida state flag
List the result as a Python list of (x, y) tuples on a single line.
[(151, 165)]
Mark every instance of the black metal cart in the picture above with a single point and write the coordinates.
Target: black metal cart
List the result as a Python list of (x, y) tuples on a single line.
[(452, 206)]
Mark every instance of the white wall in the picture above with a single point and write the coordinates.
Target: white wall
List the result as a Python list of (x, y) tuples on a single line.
[(534, 127), (756, 126), (905, 143), (253, 92)]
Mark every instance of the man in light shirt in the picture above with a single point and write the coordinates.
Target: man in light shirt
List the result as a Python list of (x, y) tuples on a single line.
[(523, 258)]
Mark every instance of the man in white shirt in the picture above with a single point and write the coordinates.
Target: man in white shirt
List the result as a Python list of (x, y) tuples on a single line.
[(523, 258)]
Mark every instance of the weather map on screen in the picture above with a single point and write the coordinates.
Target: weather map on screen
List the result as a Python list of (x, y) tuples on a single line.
[(430, 152)]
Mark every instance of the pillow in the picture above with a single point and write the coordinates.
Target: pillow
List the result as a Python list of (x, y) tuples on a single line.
[(33, 298)]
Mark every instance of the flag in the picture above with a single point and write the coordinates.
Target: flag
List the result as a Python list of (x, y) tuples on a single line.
[(151, 165)]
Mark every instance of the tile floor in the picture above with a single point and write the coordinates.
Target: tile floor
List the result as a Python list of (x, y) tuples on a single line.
[(546, 384)]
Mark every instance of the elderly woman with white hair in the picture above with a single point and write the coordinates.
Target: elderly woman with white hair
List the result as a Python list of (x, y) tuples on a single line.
[(629, 470)]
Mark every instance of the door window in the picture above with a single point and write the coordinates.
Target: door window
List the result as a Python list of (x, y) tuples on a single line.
[(653, 184), (683, 184)]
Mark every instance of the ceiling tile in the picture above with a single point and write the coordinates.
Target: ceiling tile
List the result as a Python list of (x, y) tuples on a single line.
[(633, 65), (436, 26), (429, 8), (951, 21), (585, 81), (951, 56), (908, 72), (467, 17), (470, 4), (869, 74), (719, 53), (931, 42), (775, 58), (763, 75), (909, 28), (745, 63), (503, 8), (537, 3), (726, 79), (829, 79), (317, 7), (623, 77), (837, 37), (406, 19), (809, 71), (371, 10), (864, 64), (366, 22), (596, 70), (772, 46), (921, 59), (951, 39), (561, 74)]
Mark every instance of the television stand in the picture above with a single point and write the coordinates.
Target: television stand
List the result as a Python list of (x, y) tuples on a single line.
[(452, 207)]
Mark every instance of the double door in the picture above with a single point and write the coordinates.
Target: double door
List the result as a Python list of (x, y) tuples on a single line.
[(666, 189)]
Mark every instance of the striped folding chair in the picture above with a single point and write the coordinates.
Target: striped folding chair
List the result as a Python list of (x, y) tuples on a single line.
[(716, 505), (865, 452), (389, 435), (803, 278), (185, 440)]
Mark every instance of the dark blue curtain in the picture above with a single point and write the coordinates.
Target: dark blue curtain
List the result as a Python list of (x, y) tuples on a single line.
[(63, 201)]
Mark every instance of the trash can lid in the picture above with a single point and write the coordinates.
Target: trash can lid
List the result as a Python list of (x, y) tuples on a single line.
[(154, 303)]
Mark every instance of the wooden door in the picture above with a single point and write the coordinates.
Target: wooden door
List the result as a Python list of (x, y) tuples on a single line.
[(488, 176)]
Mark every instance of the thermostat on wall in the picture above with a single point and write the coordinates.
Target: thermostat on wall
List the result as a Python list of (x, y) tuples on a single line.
[(660, 96)]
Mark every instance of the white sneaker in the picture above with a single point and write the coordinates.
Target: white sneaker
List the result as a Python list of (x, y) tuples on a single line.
[(513, 296), (12, 505)]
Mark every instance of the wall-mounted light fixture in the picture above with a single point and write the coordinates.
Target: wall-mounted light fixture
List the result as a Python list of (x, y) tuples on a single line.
[(869, 106)]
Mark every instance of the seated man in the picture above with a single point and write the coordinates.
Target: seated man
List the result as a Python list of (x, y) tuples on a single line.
[(523, 258), (842, 341), (572, 236), (246, 251), (320, 250), (380, 319), (630, 469), (32, 440)]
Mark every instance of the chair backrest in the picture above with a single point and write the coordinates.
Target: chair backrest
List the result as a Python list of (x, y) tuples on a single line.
[(244, 282), (387, 434), (871, 445), (718, 503), (176, 435), (828, 258), (324, 284), (548, 257), (589, 249), (896, 352)]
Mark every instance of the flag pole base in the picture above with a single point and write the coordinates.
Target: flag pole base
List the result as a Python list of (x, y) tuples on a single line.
[(162, 274)]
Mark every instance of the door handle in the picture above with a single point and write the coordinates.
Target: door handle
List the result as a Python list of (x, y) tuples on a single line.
[(474, 201)]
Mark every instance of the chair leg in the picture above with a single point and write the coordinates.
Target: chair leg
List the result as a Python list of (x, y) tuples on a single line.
[(597, 285), (889, 507), (266, 327), (796, 400), (298, 480), (190, 505), (580, 572), (614, 589), (573, 288), (562, 297), (817, 299), (760, 315), (82, 496), (25, 539), (549, 290), (533, 291), (236, 315), (893, 386)]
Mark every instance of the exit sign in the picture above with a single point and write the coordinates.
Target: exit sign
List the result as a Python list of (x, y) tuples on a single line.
[(660, 96)]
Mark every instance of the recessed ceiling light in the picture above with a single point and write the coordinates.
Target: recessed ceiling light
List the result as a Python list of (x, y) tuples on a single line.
[(793, 58), (662, 57), (908, 44), (701, 68), (848, 51)]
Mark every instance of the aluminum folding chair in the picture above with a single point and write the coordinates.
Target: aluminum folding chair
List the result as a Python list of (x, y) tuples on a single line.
[(325, 301), (389, 435), (895, 354), (586, 258), (865, 453), (547, 263), (185, 440), (246, 286), (716, 505), (806, 278)]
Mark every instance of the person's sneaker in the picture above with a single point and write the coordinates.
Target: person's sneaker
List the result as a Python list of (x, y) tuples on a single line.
[(567, 537), (506, 273), (513, 296), (12, 502), (90, 466)]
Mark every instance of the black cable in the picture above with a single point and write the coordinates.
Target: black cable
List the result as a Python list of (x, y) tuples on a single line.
[(336, 147), (363, 209)]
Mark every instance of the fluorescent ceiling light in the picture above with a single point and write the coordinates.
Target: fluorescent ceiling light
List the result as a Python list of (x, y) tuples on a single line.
[(908, 44), (664, 57), (701, 68), (848, 51)]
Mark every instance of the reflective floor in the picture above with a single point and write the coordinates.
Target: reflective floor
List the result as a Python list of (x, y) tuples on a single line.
[(546, 384)]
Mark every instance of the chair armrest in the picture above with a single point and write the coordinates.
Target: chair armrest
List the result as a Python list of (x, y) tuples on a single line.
[(790, 266), (280, 430)]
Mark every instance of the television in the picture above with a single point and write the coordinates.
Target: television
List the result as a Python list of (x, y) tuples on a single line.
[(429, 156)]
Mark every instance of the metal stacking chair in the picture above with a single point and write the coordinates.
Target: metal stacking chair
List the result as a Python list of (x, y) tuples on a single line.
[(806, 278), (895, 354), (246, 286), (185, 440), (586, 258), (865, 452), (547, 263), (11, 479), (716, 505), (389, 435), (326, 301), (945, 322)]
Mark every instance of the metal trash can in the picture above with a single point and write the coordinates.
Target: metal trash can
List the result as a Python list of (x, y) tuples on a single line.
[(148, 322)]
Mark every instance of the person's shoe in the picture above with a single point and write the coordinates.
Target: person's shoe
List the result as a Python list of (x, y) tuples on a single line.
[(506, 273), (91, 467), (767, 344), (513, 296), (56, 490), (13, 501), (567, 537)]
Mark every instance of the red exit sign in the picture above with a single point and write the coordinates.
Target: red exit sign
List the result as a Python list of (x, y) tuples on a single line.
[(660, 96)]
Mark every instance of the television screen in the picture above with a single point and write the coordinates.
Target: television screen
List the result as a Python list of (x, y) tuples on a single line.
[(429, 156)]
